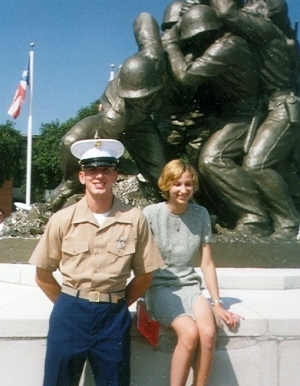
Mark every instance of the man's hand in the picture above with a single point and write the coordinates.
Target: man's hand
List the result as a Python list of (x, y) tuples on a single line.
[(48, 284), (137, 287)]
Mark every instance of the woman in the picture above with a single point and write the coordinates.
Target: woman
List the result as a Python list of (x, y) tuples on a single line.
[(182, 232)]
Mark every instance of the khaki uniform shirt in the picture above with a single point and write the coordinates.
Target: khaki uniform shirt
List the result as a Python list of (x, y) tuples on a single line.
[(97, 258)]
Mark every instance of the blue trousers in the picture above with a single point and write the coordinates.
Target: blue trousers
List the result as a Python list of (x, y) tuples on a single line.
[(80, 330)]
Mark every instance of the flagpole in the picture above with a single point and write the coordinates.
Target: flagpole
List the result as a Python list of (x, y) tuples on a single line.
[(29, 128)]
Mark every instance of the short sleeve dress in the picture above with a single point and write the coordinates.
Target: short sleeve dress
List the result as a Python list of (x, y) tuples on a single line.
[(176, 286)]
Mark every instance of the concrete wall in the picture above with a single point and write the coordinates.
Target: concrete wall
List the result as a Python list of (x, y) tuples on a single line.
[(264, 351)]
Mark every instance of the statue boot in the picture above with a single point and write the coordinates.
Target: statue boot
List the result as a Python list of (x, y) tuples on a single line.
[(62, 192)]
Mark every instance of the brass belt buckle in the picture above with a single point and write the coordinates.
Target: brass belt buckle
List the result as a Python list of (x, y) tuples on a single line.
[(94, 296)]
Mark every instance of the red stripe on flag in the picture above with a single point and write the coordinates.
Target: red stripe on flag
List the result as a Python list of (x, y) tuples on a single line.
[(19, 98)]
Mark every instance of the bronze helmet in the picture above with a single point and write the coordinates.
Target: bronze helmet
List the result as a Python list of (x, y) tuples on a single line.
[(199, 18), (138, 77), (171, 15)]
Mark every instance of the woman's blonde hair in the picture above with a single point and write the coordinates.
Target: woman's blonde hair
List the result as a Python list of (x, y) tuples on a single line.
[(171, 172)]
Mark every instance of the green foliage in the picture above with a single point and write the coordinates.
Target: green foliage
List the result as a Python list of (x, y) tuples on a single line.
[(46, 172), (92, 109), (10, 157)]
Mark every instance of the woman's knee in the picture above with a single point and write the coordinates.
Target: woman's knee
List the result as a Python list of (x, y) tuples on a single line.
[(208, 335), (187, 332)]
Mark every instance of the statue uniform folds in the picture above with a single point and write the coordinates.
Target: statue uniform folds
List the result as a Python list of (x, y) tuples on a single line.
[(276, 136), (220, 87), (125, 113), (225, 63)]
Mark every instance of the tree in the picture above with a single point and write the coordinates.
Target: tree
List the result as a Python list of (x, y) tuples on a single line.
[(10, 152), (46, 172)]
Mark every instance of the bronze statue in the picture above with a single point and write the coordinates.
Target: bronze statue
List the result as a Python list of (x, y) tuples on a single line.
[(125, 113), (225, 62), (210, 89), (186, 120), (276, 134)]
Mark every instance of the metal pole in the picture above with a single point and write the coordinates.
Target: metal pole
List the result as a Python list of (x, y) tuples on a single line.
[(112, 72), (29, 129)]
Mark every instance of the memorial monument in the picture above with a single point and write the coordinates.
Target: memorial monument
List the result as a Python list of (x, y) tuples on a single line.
[(217, 85)]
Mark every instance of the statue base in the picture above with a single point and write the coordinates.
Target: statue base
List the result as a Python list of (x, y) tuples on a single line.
[(256, 254), (227, 252)]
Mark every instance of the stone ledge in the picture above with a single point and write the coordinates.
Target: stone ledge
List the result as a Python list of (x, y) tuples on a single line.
[(228, 278), (25, 311), (258, 353)]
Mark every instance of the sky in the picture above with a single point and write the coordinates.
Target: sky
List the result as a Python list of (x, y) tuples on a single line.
[(75, 43)]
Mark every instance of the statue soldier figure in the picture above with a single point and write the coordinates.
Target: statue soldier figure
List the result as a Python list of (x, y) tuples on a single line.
[(276, 135), (171, 15), (224, 62), (186, 119), (125, 113)]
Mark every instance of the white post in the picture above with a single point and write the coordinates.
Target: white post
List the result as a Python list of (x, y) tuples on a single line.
[(29, 129), (112, 72)]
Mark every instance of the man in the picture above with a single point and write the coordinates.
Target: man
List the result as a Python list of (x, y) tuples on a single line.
[(95, 244), (276, 135), (126, 108), (224, 63)]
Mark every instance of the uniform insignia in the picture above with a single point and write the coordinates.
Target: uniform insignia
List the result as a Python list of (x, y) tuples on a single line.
[(121, 244)]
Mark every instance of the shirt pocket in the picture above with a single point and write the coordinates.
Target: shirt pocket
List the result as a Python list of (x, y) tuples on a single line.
[(74, 248), (119, 257), (121, 248)]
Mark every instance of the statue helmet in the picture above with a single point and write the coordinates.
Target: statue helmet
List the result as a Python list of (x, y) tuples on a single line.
[(197, 19), (138, 77), (171, 15)]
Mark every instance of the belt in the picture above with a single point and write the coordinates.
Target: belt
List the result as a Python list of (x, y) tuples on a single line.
[(94, 296)]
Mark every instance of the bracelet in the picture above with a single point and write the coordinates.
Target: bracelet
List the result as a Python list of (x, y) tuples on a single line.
[(219, 301)]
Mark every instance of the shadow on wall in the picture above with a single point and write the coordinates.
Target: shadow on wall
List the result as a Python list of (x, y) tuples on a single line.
[(151, 366)]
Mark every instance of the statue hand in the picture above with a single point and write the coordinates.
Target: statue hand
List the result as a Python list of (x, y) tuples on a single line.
[(188, 4), (170, 36)]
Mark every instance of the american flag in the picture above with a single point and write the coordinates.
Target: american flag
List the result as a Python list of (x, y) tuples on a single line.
[(19, 97)]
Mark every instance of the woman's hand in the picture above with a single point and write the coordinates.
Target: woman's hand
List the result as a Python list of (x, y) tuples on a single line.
[(230, 319)]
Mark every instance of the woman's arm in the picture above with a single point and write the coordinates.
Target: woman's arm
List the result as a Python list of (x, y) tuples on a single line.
[(210, 276)]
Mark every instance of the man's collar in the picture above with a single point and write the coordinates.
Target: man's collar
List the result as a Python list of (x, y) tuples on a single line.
[(118, 213)]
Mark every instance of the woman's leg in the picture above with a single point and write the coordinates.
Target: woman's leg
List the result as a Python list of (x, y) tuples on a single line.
[(188, 338), (206, 326)]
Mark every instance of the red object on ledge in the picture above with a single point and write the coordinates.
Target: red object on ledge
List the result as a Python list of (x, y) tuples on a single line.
[(148, 327)]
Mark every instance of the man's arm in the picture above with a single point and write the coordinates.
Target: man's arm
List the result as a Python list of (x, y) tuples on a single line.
[(137, 287), (48, 284)]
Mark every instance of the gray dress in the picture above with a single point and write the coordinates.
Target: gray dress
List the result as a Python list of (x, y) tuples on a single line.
[(176, 286)]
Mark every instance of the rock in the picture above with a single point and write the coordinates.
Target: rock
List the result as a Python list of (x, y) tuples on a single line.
[(31, 224)]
